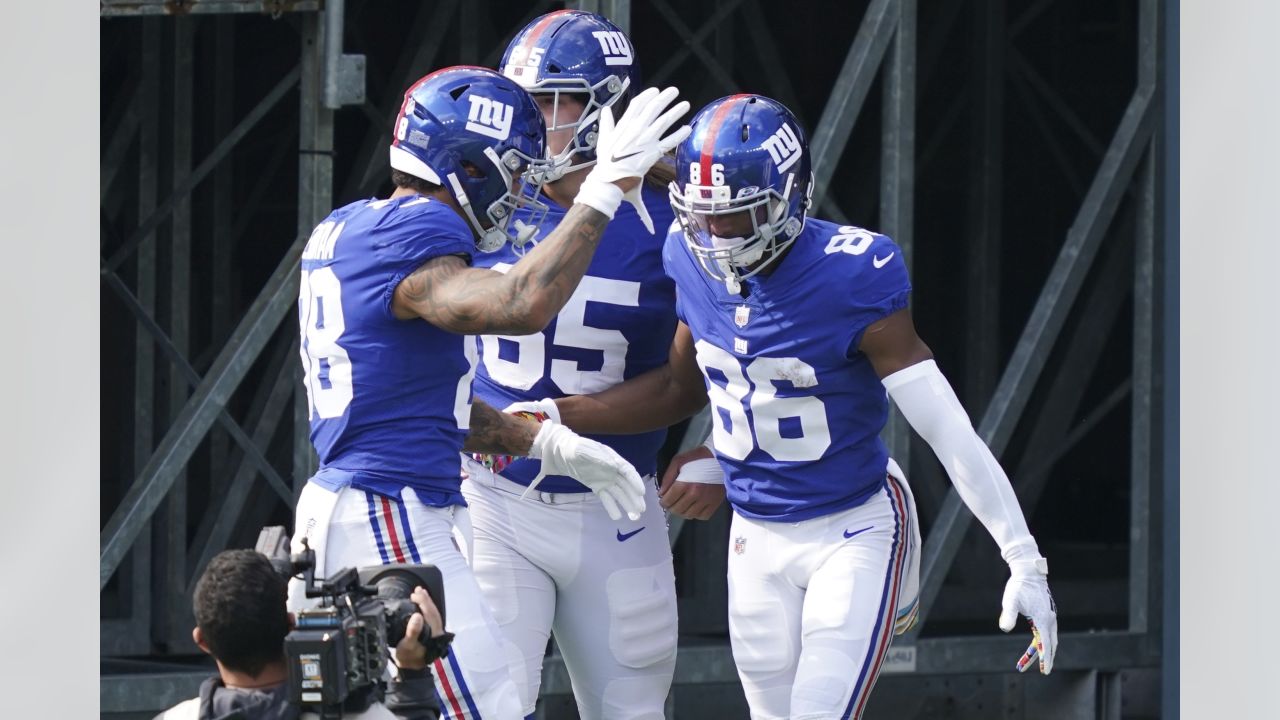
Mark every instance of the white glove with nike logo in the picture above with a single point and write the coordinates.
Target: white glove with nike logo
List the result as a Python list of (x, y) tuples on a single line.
[(1027, 593), (610, 477), (629, 148)]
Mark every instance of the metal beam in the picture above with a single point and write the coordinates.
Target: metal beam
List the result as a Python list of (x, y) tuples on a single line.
[(135, 8), (986, 206), (430, 25), (618, 11), (173, 519), (1042, 327), (198, 415), (281, 384), (770, 62), (140, 596), (315, 200), (849, 91), (713, 662), (187, 184), (123, 132), (897, 177), (191, 379), (694, 43)]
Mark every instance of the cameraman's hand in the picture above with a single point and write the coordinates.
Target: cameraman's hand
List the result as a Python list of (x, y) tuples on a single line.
[(411, 654)]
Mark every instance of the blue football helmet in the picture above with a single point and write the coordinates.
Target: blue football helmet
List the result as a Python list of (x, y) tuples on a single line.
[(746, 153), (477, 134), (571, 51)]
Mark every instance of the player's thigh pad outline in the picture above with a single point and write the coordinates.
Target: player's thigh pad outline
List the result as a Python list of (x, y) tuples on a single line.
[(642, 615)]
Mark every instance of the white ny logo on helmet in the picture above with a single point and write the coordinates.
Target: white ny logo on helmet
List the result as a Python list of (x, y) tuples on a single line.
[(783, 147), (617, 51), (489, 117)]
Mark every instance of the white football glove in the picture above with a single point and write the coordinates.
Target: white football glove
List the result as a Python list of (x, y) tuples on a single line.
[(1027, 593), (545, 406), (629, 148), (610, 477)]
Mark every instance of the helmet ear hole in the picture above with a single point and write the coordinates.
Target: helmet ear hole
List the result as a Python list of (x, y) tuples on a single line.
[(553, 68)]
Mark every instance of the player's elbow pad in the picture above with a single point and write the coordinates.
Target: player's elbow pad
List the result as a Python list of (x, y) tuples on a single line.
[(929, 403)]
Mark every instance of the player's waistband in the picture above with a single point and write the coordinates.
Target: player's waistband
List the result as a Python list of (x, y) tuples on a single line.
[(482, 475)]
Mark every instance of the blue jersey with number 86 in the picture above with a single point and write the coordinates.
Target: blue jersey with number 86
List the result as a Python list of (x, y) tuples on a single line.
[(796, 409)]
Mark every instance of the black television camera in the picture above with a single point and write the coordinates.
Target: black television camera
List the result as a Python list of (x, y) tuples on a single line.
[(337, 654)]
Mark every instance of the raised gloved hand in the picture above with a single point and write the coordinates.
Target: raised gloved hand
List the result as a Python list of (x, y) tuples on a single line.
[(626, 150), (610, 477), (1027, 593)]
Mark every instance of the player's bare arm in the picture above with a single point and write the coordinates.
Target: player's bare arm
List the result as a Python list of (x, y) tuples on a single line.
[(449, 294), (891, 344), (652, 401), (498, 433), (930, 405)]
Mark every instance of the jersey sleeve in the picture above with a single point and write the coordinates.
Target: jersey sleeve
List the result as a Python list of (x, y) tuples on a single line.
[(410, 235), (880, 286)]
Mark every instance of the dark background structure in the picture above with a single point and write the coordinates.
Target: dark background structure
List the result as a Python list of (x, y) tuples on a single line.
[(1013, 149)]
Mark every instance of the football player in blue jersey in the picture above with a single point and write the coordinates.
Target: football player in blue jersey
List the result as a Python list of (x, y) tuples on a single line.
[(388, 304), (797, 331), (551, 558)]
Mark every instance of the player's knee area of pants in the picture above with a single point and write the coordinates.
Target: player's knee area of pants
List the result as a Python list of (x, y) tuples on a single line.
[(763, 640), (642, 616)]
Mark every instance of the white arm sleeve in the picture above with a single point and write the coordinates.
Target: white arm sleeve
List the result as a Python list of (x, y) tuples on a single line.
[(927, 402)]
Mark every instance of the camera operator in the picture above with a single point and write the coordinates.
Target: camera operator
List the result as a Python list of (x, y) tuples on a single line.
[(241, 620)]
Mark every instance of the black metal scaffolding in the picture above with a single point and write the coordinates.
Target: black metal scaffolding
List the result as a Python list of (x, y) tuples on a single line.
[(1026, 193)]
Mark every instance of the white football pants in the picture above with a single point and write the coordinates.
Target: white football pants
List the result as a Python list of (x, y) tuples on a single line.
[(354, 528), (556, 561), (813, 604)]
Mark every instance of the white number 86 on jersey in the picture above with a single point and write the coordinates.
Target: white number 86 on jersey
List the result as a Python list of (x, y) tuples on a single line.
[(767, 409)]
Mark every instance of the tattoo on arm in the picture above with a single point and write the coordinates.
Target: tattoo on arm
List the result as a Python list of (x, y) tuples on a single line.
[(457, 298), (497, 432)]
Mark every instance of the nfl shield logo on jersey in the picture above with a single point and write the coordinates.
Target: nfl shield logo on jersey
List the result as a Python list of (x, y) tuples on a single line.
[(741, 315), (740, 545)]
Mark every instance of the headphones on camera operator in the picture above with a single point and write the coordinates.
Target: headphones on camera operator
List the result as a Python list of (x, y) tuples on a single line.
[(337, 653)]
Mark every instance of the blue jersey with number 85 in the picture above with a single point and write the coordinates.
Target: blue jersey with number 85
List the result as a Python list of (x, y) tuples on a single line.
[(390, 400), (617, 324), (796, 409)]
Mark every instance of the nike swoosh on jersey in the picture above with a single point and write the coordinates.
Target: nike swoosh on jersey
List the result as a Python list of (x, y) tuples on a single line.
[(881, 263), (628, 536), (857, 532)]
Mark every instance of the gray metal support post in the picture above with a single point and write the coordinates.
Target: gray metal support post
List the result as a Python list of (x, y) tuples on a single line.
[(849, 91), (343, 74), (145, 284), (618, 11), (898, 177), (315, 200), (169, 584), (986, 195), (223, 247), (1144, 410)]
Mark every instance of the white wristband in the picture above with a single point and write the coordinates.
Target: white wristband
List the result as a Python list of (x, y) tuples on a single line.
[(603, 196), (703, 471)]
